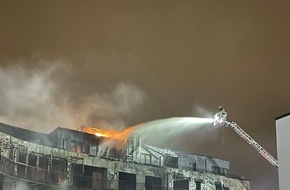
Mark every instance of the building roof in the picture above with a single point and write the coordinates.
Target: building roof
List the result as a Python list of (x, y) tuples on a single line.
[(25, 134)]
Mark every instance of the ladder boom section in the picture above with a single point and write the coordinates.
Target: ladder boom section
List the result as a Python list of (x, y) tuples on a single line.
[(252, 142)]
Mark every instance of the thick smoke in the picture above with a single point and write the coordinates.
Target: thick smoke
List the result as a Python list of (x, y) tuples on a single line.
[(39, 99)]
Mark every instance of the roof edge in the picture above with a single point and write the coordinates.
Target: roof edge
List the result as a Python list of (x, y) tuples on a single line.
[(281, 116)]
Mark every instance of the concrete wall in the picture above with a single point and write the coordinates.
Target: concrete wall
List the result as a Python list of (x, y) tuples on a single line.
[(283, 150)]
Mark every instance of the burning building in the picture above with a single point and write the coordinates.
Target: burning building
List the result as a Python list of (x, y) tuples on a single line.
[(91, 158)]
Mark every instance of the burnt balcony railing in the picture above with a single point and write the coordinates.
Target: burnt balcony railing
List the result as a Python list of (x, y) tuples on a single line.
[(31, 173)]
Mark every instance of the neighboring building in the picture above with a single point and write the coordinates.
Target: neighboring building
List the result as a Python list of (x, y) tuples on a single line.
[(283, 151), (71, 159)]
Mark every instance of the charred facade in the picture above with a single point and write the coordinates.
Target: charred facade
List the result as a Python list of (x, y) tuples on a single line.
[(73, 159)]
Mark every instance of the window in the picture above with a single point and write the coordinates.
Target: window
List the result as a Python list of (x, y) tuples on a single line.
[(153, 183), (181, 184), (127, 181), (219, 171), (86, 148), (146, 158), (171, 161), (219, 186), (198, 185), (193, 166), (22, 157), (73, 146)]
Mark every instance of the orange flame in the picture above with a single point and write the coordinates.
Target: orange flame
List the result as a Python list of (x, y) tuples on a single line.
[(118, 135), (98, 132)]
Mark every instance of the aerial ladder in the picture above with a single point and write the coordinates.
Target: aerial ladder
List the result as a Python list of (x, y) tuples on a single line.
[(220, 119)]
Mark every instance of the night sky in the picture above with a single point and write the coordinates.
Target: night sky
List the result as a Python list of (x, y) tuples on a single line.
[(127, 62)]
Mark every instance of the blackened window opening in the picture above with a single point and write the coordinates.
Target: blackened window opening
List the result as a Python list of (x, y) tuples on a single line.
[(153, 183), (127, 181)]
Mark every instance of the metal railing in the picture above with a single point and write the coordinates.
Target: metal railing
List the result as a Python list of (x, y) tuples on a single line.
[(29, 173)]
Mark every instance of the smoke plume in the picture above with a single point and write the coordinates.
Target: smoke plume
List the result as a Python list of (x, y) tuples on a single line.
[(40, 99)]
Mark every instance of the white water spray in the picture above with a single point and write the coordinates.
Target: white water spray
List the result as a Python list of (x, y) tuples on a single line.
[(172, 126)]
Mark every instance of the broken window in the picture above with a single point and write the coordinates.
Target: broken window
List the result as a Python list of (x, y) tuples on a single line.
[(86, 148), (219, 171), (198, 185), (73, 147), (32, 160), (67, 143), (89, 176), (170, 161), (11, 153), (43, 162), (22, 156), (127, 181), (219, 186), (153, 183), (57, 170), (21, 165), (42, 169), (146, 158), (100, 179), (181, 185), (31, 169)]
